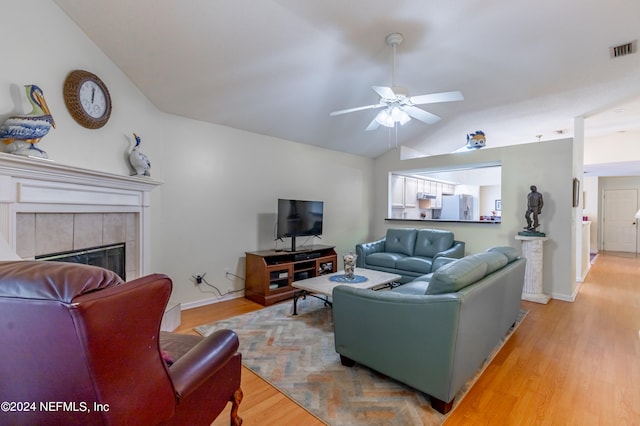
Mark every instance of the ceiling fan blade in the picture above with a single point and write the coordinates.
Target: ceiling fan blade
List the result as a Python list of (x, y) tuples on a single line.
[(345, 111), (373, 125), (420, 114), (384, 92), (433, 98)]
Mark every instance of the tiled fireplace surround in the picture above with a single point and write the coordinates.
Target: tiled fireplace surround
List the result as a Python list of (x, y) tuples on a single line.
[(46, 207), (47, 233)]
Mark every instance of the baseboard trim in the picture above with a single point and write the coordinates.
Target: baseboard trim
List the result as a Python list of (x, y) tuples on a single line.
[(537, 298), (581, 279), (171, 318), (210, 301), (564, 297)]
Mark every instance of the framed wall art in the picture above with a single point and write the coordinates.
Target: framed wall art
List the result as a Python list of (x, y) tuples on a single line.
[(576, 192)]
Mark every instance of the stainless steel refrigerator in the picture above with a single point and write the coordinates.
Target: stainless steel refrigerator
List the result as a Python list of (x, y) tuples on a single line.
[(457, 207)]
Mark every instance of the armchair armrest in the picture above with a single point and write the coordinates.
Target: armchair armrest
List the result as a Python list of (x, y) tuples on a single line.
[(203, 361), (364, 249), (456, 251)]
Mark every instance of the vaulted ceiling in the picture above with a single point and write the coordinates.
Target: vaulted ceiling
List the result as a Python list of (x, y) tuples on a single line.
[(279, 67)]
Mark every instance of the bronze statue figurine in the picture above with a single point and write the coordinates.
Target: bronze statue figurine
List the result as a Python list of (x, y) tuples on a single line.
[(534, 208)]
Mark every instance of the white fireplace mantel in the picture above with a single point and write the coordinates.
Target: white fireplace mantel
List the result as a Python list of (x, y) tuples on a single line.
[(44, 170), (40, 186)]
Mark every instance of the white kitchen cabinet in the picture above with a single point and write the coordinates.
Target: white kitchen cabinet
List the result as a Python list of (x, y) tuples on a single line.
[(448, 189), (397, 191), (410, 192), (438, 200), (404, 191)]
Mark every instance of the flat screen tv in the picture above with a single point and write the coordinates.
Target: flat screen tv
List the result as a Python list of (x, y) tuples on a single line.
[(299, 218)]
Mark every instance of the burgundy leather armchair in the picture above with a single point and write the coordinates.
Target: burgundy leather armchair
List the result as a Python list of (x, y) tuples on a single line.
[(80, 346)]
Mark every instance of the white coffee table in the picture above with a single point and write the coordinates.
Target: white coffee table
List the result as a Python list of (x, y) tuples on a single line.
[(322, 285)]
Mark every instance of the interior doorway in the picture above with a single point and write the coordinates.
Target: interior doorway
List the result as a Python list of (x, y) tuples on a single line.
[(619, 222)]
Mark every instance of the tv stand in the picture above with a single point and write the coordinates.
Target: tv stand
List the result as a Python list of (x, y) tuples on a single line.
[(270, 273), (295, 249), (293, 245)]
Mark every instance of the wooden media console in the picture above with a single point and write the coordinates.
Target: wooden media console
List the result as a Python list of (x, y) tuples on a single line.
[(270, 273)]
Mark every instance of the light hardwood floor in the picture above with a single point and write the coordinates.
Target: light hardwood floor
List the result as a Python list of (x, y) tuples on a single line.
[(567, 364)]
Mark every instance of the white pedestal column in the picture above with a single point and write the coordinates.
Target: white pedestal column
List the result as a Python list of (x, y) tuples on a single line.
[(532, 250)]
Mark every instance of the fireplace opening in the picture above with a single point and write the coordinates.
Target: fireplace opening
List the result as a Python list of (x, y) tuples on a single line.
[(111, 257)]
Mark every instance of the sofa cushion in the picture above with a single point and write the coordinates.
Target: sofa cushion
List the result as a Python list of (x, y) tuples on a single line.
[(385, 260), (400, 241), (430, 242), (421, 265), (457, 275), (511, 253), (494, 260), (417, 287)]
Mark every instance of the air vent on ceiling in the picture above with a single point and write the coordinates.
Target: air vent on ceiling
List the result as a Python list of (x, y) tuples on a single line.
[(623, 49)]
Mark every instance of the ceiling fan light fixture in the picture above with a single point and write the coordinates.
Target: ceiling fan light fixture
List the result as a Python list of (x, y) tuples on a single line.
[(404, 118), (396, 113), (384, 118), (388, 117)]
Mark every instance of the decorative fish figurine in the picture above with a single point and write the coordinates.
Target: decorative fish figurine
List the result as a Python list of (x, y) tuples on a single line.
[(138, 160), (476, 140), (20, 133)]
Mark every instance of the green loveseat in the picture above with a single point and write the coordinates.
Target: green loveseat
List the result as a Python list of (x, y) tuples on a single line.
[(408, 252), (434, 339)]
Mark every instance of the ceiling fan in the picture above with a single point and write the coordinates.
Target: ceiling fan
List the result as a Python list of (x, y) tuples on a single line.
[(398, 106)]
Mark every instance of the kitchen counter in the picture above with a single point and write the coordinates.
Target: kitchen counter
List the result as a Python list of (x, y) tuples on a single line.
[(489, 222)]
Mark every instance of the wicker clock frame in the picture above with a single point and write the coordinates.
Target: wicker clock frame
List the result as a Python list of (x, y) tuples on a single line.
[(71, 93)]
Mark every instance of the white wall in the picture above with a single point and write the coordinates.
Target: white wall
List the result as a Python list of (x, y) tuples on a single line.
[(220, 200), (42, 45), (591, 202), (220, 186), (488, 196), (545, 164), (613, 148)]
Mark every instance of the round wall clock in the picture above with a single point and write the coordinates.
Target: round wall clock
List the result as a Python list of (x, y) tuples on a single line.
[(87, 99)]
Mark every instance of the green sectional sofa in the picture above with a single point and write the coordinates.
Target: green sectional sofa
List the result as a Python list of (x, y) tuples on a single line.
[(435, 335), (408, 252)]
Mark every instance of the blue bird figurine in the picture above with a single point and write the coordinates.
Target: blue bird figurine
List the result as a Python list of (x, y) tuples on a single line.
[(20, 133), (138, 160)]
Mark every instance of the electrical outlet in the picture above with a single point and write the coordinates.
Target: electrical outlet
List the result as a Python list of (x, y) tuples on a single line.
[(198, 278)]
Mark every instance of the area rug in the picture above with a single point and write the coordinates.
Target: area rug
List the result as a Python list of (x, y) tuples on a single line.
[(296, 355)]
